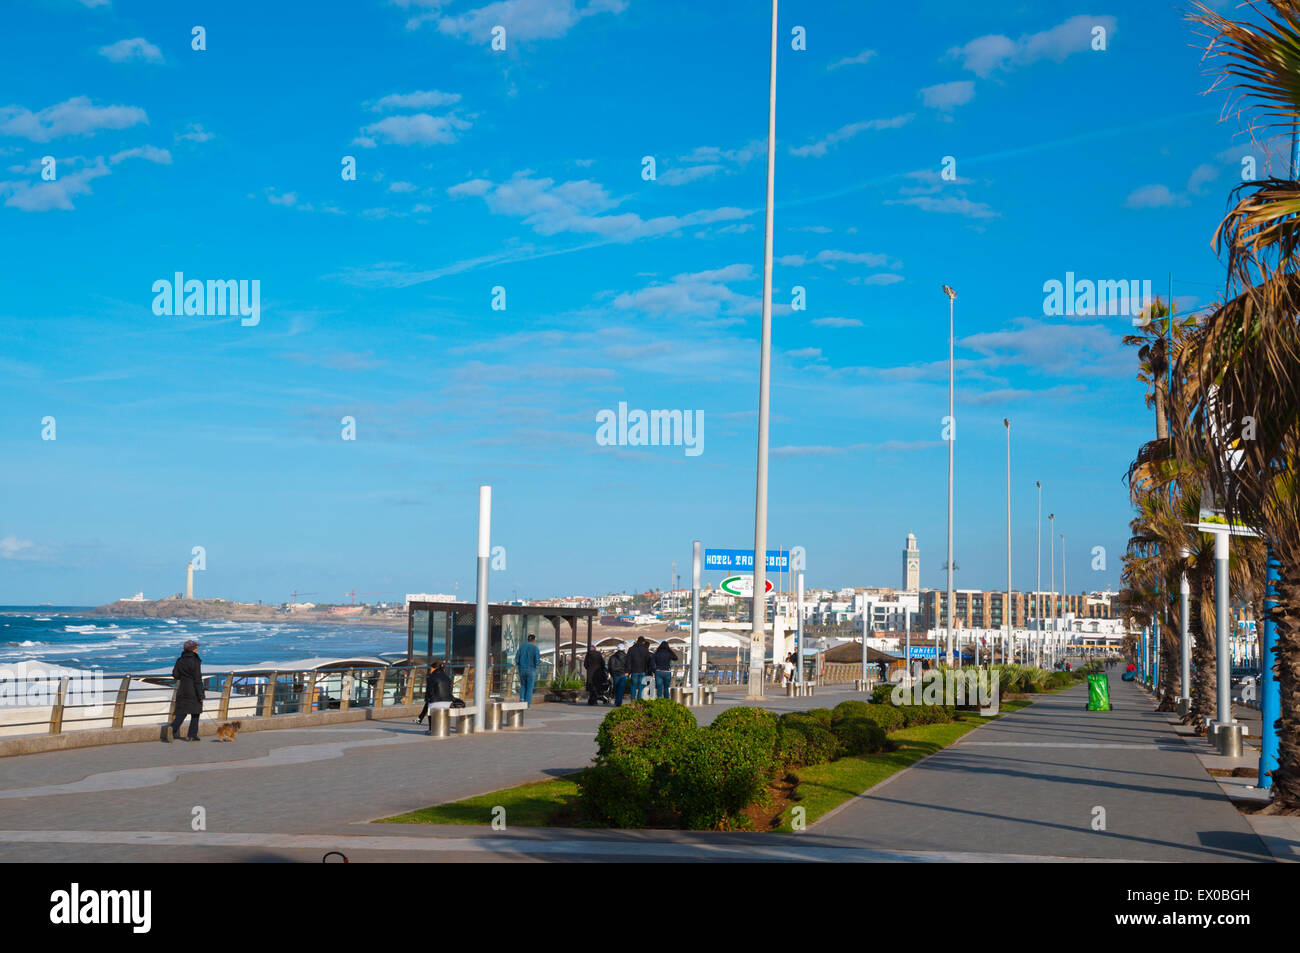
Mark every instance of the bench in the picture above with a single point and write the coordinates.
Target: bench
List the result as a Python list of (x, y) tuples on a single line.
[(514, 713), (440, 720)]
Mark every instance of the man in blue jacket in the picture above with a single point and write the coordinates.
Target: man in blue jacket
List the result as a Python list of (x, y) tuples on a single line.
[(527, 659)]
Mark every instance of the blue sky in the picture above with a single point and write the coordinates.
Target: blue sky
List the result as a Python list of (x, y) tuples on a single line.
[(523, 169)]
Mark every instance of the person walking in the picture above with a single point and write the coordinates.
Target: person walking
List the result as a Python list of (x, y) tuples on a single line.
[(663, 661), (639, 664), (594, 663), (527, 660), (188, 673), (617, 666)]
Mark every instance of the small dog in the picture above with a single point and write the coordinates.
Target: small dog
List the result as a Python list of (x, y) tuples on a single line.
[(228, 731)]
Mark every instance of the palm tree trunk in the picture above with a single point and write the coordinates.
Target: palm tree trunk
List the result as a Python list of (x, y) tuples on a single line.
[(1203, 655), (1169, 675), (1286, 777)]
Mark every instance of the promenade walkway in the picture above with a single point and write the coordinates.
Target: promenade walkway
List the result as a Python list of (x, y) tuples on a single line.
[(1022, 787)]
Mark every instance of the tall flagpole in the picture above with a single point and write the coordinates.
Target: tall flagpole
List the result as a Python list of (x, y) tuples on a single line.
[(758, 613), (1038, 581), (952, 439)]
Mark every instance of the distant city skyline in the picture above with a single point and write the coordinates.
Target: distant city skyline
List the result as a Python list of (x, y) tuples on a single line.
[(505, 273)]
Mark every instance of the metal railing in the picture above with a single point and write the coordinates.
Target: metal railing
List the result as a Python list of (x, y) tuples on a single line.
[(133, 700)]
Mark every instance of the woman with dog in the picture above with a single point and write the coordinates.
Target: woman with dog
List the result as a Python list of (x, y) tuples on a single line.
[(188, 672)]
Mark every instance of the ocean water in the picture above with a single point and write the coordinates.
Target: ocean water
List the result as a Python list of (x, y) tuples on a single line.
[(64, 635)]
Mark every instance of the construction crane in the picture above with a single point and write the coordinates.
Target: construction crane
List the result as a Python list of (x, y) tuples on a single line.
[(353, 595), (293, 596)]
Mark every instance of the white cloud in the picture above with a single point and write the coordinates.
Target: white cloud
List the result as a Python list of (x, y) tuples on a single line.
[(75, 117), (419, 129), (402, 187), (987, 54), (948, 96), (124, 51), (836, 323), (862, 57), (1154, 196), (821, 146), (194, 133), (50, 196), (830, 257), (805, 353), (427, 99), (680, 176), (148, 153), (950, 205), (523, 19), (702, 294), (578, 207), (11, 547)]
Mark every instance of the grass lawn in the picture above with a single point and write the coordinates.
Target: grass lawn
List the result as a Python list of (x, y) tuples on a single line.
[(553, 803), (536, 804)]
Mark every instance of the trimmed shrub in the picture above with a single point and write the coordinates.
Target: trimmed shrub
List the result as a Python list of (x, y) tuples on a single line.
[(880, 694), (657, 730), (617, 790), (758, 725), (723, 769), (802, 740), (926, 714), (860, 736), (821, 714), (853, 709)]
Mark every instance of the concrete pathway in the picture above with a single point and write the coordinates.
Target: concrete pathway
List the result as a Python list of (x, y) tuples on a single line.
[(1021, 788), (1034, 782)]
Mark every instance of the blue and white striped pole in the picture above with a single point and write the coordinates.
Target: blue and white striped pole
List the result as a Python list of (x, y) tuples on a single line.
[(1270, 694)]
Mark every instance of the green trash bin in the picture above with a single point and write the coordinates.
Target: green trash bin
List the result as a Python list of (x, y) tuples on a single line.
[(1098, 692)]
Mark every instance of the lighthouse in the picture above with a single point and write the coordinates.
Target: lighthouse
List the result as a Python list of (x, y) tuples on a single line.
[(189, 580)]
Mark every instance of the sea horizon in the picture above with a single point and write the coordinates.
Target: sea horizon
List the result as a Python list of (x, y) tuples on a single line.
[(67, 636)]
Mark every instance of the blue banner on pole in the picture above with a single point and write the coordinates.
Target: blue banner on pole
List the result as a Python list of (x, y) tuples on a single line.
[(728, 560), (923, 651)]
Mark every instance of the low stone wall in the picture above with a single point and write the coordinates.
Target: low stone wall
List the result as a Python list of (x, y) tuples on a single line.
[(32, 744)]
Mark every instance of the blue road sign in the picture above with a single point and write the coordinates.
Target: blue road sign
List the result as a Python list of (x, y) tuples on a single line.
[(923, 651), (727, 560)]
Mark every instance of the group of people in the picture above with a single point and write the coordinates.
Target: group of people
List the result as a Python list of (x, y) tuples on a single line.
[(635, 665)]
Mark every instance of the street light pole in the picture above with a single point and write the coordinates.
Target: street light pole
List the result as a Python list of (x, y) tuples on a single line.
[(758, 613), (1051, 562), (1065, 595), (952, 439), (1006, 608), (1038, 580)]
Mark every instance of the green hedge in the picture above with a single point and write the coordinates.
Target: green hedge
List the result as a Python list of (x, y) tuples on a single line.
[(617, 791), (803, 740), (861, 736), (656, 729), (724, 769)]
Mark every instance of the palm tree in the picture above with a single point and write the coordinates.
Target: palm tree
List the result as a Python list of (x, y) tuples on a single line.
[(1150, 479), (1243, 365)]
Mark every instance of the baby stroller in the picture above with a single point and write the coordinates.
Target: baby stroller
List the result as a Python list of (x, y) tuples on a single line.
[(602, 687)]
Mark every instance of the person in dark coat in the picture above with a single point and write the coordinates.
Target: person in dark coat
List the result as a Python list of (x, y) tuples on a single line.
[(663, 661), (437, 690), (639, 665), (188, 673), (618, 672), (594, 663)]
